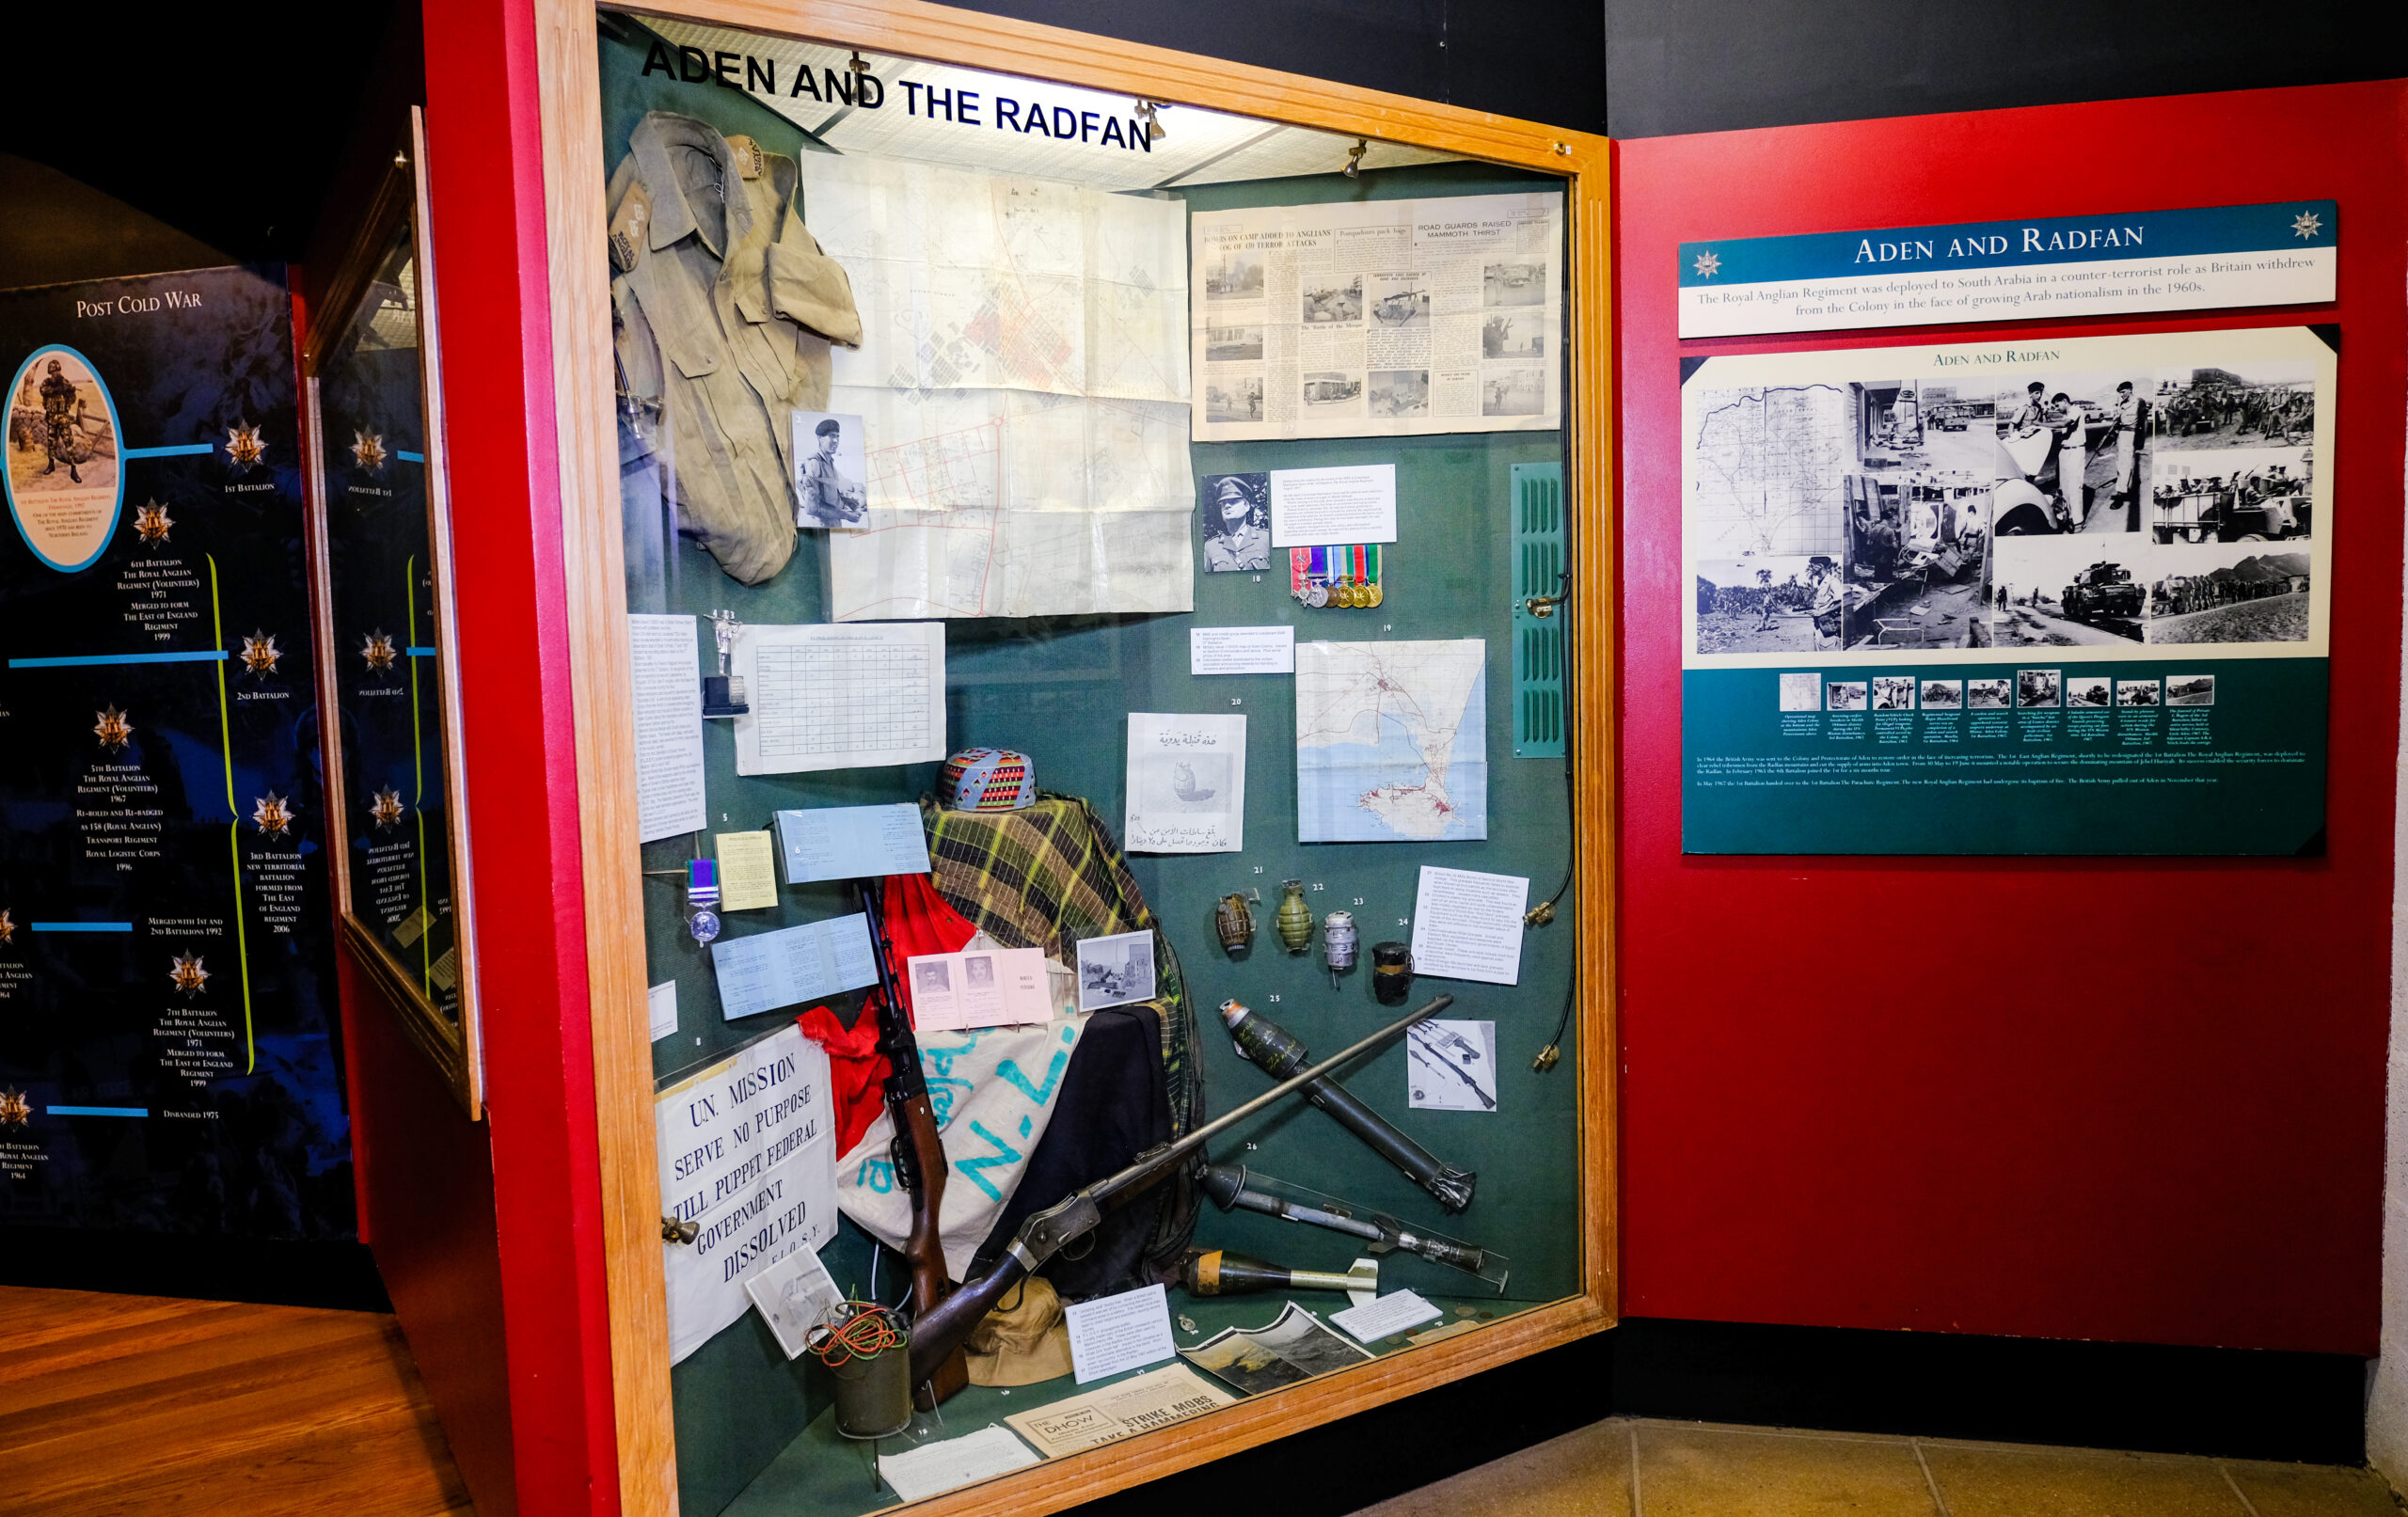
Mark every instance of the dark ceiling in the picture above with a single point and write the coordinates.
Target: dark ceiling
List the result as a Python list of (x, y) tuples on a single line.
[(227, 122)]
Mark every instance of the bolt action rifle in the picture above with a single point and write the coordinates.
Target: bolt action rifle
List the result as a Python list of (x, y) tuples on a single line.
[(937, 1335), (919, 1162)]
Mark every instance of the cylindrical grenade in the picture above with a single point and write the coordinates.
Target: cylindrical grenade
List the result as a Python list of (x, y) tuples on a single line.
[(1337, 942), (1217, 1272), (1276, 1052), (1294, 919), (1235, 925), (1392, 972)]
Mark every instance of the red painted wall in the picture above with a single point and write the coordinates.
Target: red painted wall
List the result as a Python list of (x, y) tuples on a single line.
[(2164, 1124), (489, 1236)]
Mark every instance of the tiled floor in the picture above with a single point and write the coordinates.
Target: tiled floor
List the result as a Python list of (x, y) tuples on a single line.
[(1636, 1467)]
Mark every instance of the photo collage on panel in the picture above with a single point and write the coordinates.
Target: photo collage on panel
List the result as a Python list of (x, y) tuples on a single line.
[(2145, 505)]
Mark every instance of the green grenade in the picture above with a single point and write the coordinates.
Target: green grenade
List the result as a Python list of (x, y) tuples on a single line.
[(1295, 919)]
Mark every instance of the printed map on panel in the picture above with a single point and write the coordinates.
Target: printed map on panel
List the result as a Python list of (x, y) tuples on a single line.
[(1392, 741), (1765, 464), (1023, 379)]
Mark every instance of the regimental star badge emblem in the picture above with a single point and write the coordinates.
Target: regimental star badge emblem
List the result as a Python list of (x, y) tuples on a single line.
[(190, 978), (152, 522), (1708, 265), (8, 930), (243, 445), (367, 449), (260, 653), (15, 1111), (112, 729), (387, 808), (273, 814), (2306, 223), (378, 650)]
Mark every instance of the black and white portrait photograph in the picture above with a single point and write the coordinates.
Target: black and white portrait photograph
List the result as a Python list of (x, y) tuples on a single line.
[(932, 977), (978, 970), (2089, 692), (830, 471), (2137, 692), (2190, 689), (1943, 695), (1988, 695), (1237, 523), (1116, 971), (1332, 304), (1397, 392), (1513, 284), (1893, 692), (1233, 399), (1232, 344), (1844, 695), (1801, 692), (2038, 687), (1399, 302)]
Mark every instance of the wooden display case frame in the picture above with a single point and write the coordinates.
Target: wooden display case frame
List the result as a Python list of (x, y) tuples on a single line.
[(573, 163)]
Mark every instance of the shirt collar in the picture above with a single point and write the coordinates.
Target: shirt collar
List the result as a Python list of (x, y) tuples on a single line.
[(672, 218)]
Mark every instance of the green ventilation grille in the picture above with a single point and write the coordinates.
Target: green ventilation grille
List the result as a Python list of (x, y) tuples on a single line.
[(1539, 562)]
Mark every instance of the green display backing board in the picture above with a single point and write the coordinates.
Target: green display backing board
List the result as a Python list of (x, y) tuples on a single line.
[(1058, 688)]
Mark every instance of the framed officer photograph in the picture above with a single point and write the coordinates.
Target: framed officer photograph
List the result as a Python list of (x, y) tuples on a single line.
[(388, 697), (830, 471)]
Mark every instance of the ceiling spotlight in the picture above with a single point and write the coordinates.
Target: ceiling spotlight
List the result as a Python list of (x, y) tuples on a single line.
[(1147, 110), (1355, 157)]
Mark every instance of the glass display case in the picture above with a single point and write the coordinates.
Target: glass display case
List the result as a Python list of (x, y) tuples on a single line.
[(388, 697), (1089, 599)]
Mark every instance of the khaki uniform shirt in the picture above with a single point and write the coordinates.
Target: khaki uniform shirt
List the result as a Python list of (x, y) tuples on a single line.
[(723, 309)]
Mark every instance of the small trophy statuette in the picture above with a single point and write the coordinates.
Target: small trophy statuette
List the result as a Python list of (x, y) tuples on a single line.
[(722, 693)]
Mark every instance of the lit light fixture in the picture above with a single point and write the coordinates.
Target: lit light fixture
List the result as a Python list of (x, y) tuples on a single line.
[(1355, 157), (1148, 112)]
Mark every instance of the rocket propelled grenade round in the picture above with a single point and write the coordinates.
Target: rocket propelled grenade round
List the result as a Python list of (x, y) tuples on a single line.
[(1277, 1053)]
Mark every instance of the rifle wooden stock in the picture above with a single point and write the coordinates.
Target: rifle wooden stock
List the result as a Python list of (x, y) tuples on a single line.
[(919, 1163)]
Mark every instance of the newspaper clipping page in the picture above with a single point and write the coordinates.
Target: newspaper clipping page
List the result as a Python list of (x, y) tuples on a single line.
[(1389, 318)]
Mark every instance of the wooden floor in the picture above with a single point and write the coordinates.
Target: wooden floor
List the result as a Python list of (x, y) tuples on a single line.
[(139, 1404)]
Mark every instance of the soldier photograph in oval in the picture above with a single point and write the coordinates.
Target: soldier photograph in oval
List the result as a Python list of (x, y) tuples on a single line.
[(63, 457)]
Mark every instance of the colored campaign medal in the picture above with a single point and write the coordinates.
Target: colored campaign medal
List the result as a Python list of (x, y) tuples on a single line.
[(701, 893)]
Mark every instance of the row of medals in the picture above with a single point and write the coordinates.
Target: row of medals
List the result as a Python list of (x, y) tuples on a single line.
[(1344, 593)]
